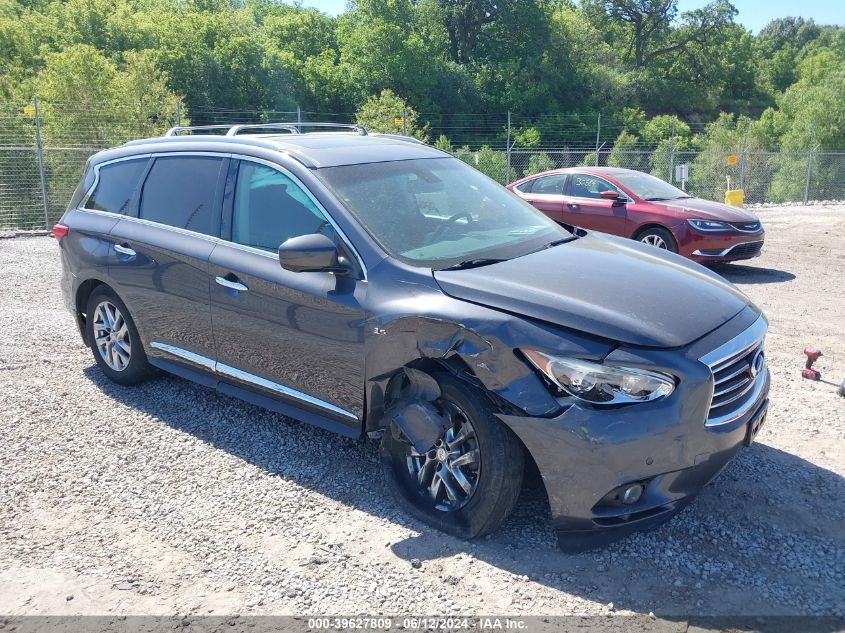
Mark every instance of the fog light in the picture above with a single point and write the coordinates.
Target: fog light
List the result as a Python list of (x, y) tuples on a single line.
[(632, 494)]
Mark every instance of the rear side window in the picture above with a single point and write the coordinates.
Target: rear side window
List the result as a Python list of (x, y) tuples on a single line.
[(180, 192), (549, 184), (116, 186), (524, 187)]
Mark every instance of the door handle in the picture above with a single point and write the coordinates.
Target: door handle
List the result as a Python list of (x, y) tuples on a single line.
[(232, 285), (572, 205), (124, 250)]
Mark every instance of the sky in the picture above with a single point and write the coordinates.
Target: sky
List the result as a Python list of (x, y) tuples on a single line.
[(753, 14)]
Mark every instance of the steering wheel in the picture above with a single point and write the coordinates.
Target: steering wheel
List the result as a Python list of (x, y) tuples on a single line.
[(449, 223)]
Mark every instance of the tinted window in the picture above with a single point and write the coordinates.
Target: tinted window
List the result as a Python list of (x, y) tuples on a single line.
[(116, 186), (270, 208), (549, 184), (524, 187), (180, 192), (588, 186)]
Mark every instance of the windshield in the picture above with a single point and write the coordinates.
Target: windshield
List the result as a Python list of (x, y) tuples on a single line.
[(439, 212), (648, 187)]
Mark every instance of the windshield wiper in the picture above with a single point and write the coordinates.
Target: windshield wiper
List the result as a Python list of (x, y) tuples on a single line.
[(562, 240), (474, 263), (656, 199), (554, 243)]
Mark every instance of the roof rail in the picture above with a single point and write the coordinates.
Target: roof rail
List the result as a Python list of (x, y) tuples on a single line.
[(233, 129), (295, 128), (174, 131)]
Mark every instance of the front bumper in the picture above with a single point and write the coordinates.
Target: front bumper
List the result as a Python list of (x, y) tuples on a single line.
[(588, 456), (715, 248)]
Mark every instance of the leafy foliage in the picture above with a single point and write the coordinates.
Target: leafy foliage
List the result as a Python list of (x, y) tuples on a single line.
[(384, 114), (120, 68), (539, 162)]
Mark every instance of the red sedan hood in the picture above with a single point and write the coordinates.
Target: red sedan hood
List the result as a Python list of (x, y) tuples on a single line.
[(707, 210)]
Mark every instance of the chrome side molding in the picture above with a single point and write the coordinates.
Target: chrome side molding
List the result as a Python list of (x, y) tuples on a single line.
[(234, 372), (184, 354)]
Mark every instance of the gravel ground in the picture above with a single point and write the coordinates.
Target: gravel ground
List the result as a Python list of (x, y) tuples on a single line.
[(171, 498)]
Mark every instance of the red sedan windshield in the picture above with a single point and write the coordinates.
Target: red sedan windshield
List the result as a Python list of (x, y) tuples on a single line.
[(648, 187)]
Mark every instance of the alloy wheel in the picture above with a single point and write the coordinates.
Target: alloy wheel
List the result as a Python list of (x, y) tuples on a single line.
[(654, 240), (111, 335), (448, 473)]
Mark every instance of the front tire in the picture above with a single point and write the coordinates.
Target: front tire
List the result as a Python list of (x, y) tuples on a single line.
[(114, 339), (659, 238), (469, 482)]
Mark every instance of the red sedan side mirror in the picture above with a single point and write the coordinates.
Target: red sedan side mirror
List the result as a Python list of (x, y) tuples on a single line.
[(610, 195)]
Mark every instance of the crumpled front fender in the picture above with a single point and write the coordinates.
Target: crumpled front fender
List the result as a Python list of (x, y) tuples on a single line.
[(482, 343)]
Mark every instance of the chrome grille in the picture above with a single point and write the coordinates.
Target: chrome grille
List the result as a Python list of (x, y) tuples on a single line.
[(748, 227), (739, 371)]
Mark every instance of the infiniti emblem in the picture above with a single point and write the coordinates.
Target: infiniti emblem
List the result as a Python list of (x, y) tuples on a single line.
[(757, 363)]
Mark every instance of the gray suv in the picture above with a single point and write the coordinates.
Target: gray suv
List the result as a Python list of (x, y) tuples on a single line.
[(378, 287)]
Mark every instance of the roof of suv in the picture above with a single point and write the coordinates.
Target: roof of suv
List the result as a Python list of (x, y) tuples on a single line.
[(318, 149)]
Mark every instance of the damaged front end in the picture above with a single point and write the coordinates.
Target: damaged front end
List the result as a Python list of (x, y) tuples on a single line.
[(608, 468), (412, 414)]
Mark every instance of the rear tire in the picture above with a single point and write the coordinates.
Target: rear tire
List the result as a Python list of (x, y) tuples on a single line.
[(114, 339), (494, 479), (659, 238)]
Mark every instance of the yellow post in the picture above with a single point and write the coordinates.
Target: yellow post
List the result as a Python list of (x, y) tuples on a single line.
[(735, 197)]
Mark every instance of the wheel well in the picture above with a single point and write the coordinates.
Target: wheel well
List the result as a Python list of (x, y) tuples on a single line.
[(462, 370), (646, 227), (454, 365), (82, 294)]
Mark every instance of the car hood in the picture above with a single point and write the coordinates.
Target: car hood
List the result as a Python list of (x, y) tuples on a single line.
[(605, 286), (707, 210)]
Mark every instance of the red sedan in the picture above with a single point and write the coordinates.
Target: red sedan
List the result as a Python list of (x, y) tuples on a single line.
[(639, 206)]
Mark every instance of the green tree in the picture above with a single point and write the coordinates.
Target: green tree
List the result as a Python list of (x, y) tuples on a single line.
[(87, 100), (627, 152), (711, 174), (589, 160), (664, 126), (578, 55), (384, 114), (539, 162), (77, 88), (443, 143), (667, 154), (811, 116), (379, 47), (463, 20), (650, 35), (526, 138), (488, 161)]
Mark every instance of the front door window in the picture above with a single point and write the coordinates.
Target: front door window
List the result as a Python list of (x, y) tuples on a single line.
[(589, 186), (269, 208)]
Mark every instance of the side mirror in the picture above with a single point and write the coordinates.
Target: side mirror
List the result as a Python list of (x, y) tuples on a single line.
[(311, 253), (610, 195)]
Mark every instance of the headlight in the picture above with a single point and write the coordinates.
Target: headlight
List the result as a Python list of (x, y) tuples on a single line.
[(601, 384), (709, 225)]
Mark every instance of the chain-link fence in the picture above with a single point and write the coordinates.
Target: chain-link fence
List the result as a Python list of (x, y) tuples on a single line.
[(43, 150)]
